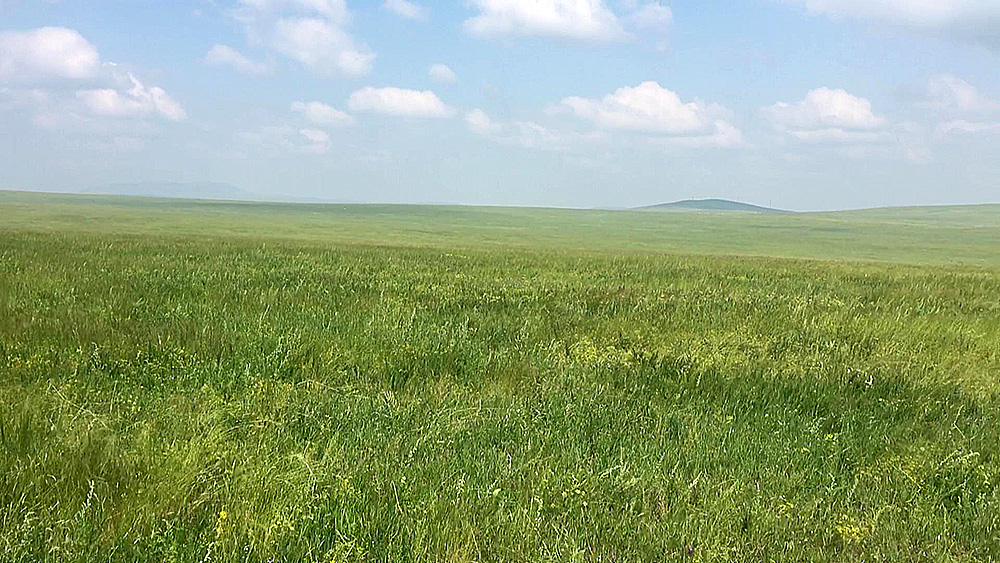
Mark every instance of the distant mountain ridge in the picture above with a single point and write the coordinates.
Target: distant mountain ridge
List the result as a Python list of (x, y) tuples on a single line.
[(711, 205), (181, 190)]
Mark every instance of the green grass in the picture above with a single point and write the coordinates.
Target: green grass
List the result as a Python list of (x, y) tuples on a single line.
[(948, 235), (188, 381)]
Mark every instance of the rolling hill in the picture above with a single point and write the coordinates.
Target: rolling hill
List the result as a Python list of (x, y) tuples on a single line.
[(714, 205), (940, 235)]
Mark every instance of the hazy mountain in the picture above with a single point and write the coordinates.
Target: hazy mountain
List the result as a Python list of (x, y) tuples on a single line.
[(711, 205)]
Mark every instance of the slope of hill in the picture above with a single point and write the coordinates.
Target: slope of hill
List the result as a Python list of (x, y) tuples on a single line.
[(711, 205)]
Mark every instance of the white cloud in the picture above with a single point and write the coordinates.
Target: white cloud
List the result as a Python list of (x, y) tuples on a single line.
[(315, 135), (904, 141), (137, 100), (311, 32), (652, 15), (50, 53), (405, 9), (528, 134), (962, 126), (399, 102), (322, 114), (20, 98), (574, 19), (53, 79), (45, 109), (649, 108), (580, 20), (724, 135), (46, 53), (954, 94), (976, 20), (660, 113), (223, 55), (962, 108), (318, 142), (442, 73), (278, 140), (321, 46), (532, 135), (827, 115), (480, 123), (333, 10)]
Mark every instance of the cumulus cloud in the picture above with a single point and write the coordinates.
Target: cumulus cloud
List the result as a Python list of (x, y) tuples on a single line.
[(322, 114), (442, 73), (647, 107), (223, 55), (321, 46), (136, 100), (975, 20), (399, 102), (962, 108), (651, 15), (480, 123), (651, 108), (405, 9), (954, 94), (33, 61), (827, 115), (311, 32), (46, 53), (590, 20), (577, 19)]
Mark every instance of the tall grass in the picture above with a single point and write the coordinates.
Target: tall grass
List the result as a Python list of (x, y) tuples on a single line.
[(249, 398)]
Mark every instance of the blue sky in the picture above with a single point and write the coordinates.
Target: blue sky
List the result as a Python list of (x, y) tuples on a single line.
[(800, 104)]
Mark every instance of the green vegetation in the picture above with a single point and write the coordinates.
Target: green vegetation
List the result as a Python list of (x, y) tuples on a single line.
[(944, 235), (185, 381)]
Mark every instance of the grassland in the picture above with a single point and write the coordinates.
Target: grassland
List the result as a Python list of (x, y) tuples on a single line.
[(961, 235), (185, 381)]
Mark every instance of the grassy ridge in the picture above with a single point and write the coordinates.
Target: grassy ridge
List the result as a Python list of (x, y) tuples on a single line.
[(300, 394), (950, 235)]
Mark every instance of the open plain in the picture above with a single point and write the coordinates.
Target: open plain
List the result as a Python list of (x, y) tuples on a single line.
[(223, 381)]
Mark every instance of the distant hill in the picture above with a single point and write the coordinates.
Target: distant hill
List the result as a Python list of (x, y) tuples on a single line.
[(711, 205), (183, 190)]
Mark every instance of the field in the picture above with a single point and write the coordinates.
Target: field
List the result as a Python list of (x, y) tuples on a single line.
[(199, 381)]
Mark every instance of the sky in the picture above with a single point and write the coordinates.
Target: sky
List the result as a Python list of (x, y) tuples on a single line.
[(797, 104)]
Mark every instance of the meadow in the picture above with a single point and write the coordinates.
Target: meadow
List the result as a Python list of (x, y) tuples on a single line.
[(209, 381)]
